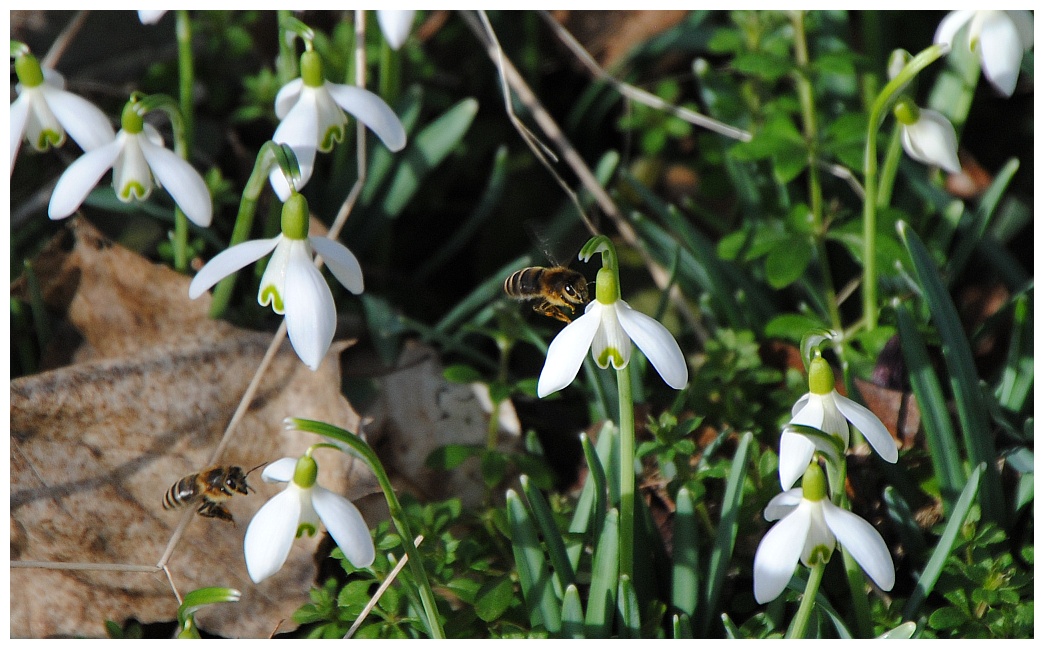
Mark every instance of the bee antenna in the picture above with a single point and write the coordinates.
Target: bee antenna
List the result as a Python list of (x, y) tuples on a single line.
[(256, 468)]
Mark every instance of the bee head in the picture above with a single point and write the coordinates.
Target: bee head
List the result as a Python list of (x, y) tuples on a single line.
[(576, 290), (236, 480)]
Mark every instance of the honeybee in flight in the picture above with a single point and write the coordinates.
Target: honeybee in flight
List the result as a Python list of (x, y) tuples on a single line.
[(209, 487), (557, 288)]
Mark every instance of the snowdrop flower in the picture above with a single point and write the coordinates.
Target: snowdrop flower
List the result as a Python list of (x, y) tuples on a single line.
[(44, 112), (823, 408), (312, 113), (928, 137), (291, 283), (809, 528), (395, 25), (299, 509), (1000, 37), (139, 161), (607, 328)]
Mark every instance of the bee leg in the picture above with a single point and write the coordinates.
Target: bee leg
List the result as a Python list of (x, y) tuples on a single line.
[(215, 510), (548, 309)]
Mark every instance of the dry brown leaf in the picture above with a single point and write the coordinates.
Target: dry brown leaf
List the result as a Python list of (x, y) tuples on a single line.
[(419, 411), (95, 445)]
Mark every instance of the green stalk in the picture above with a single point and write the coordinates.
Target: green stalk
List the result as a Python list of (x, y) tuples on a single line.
[(398, 516), (808, 599), (891, 167), (623, 378), (286, 62), (183, 140), (390, 77), (815, 190), (853, 573), (877, 113)]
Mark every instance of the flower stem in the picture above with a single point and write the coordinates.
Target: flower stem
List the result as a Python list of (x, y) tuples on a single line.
[(815, 190), (363, 450), (877, 113), (623, 378), (890, 168), (808, 599), (183, 140)]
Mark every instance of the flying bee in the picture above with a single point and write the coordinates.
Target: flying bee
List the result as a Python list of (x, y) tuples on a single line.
[(209, 488), (555, 289)]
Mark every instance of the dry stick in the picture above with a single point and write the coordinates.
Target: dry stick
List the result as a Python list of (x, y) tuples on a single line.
[(587, 178), (380, 591), (651, 100), (335, 229), (62, 42), (71, 565)]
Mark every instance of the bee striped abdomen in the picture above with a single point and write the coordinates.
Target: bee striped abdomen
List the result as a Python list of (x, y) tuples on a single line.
[(524, 284), (181, 493)]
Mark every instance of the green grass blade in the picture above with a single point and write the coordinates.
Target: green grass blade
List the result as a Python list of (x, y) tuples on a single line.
[(425, 152), (685, 577), (601, 600), (627, 609), (552, 537), (682, 627), (1017, 376), (533, 575), (935, 414), (728, 526), (903, 519), (732, 632), (572, 614), (589, 515), (971, 408), (974, 231), (931, 572)]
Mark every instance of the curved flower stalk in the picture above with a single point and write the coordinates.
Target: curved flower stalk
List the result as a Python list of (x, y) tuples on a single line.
[(928, 137), (809, 529), (998, 37), (139, 162), (607, 328), (395, 25), (823, 408), (313, 117), (44, 112), (291, 283), (298, 510)]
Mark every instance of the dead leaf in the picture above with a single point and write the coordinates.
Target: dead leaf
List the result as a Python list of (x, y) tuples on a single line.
[(419, 411), (95, 445)]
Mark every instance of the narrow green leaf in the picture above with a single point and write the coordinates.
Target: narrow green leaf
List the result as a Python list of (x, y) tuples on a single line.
[(1017, 377), (971, 409), (798, 584), (931, 572), (935, 415), (552, 537), (382, 161), (903, 519), (572, 614), (682, 627), (425, 152), (731, 631), (589, 515), (685, 577), (728, 527), (533, 575), (627, 609), (480, 297), (601, 599), (973, 232)]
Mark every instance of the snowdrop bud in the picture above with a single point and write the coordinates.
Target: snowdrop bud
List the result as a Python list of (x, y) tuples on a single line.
[(897, 61), (295, 217), (820, 376)]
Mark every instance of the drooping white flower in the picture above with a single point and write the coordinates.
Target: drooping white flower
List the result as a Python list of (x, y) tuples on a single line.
[(928, 137), (607, 329), (139, 162), (823, 408), (395, 25), (999, 38), (44, 112), (299, 509), (313, 117), (809, 528), (291, 282)]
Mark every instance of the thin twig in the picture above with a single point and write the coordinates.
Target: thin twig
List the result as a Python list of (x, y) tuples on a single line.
[(50, 60), (72, 565), (380, 590), (659, 275), (690, 116)]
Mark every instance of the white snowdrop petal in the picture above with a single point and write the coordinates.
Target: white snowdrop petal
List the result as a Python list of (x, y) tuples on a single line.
[(372, 111), (85, 123), (870, 426), (341, 262), (19, 119), (228, 262), (950, 25), (777, 555), (795, 454), (80, 178), (1000, 50), (287, 97), (566, 353), (346, 525), (182, 182), (782, 504), (657, 343), (271, 534), (282, 470), (311, 317), (395, 25), (863, 542)]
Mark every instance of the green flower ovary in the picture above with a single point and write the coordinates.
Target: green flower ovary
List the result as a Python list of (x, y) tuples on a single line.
[(906, 111), (305, 472), (30, 75), (295, 217), (312, 69), (131, 121), (813, 485), (607, 286), (820, 377)]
